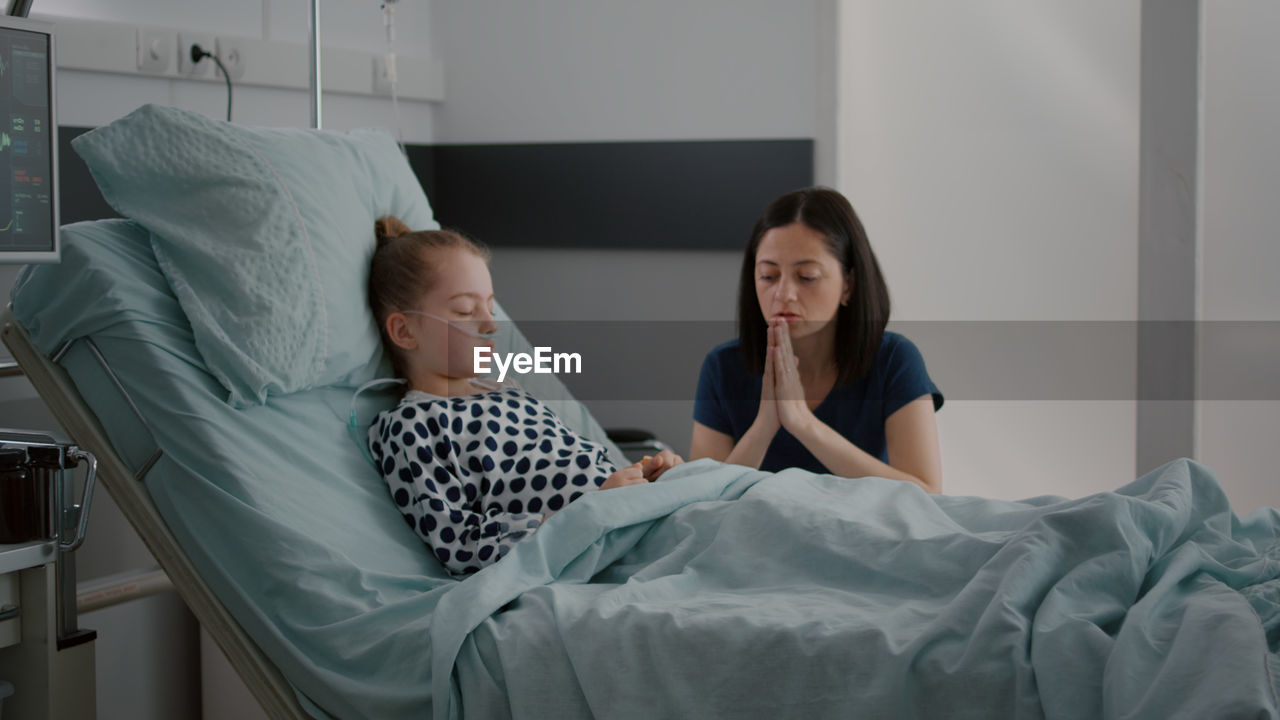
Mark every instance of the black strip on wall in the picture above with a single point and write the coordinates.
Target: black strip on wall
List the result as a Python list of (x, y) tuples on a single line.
[(78, 195), (656, 195), (689, 194)]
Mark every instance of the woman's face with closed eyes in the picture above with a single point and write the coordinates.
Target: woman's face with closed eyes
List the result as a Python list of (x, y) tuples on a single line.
[(799, 280)]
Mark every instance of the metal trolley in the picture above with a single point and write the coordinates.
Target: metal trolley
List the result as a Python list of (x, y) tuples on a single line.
[(47, 660), (46, 491)]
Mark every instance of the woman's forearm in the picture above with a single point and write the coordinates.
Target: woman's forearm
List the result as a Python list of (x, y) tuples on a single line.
[(841, 457), (750, 449)]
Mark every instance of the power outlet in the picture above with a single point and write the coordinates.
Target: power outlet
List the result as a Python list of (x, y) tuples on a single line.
[(186, 67), (231, 52), (155, 49)]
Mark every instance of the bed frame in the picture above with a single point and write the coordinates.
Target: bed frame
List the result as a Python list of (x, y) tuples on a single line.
[(59, 392)]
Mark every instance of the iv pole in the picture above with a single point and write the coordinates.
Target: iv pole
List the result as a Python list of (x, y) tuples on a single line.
[(18, 8), (315, 64)]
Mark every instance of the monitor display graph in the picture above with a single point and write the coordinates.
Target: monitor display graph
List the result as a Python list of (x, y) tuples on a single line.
[(28, 194)]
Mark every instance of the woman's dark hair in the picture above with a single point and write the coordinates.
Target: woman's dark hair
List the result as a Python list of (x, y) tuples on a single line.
[(401, 271), (859, 324)]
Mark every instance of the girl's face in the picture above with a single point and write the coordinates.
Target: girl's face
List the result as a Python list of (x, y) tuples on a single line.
[(799, 280), (463, 296)]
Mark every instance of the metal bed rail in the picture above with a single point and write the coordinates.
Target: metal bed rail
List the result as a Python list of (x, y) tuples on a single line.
[(59, 392)]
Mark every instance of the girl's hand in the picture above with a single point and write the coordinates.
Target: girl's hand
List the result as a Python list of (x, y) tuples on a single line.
[(629, 475), (653, 467), (793, 410)]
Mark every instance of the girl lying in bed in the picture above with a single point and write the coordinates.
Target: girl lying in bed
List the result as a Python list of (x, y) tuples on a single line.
[(474, 466)]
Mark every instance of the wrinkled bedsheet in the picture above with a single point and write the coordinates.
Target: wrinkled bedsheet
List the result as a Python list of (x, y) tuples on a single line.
[(726, 592)]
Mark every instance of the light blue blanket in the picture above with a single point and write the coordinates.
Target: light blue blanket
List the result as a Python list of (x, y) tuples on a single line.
[(725, 592), (718, 592)]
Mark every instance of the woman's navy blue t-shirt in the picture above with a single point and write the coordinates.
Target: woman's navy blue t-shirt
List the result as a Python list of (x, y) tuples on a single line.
[(729, 397)]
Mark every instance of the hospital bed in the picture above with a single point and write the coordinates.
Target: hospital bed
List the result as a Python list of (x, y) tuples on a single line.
[(206, 350)]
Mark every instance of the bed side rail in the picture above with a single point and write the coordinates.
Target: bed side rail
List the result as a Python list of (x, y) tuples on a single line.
[(59, 392)]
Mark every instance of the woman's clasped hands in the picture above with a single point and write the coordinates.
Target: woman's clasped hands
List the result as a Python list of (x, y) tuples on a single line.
[(782, 398)]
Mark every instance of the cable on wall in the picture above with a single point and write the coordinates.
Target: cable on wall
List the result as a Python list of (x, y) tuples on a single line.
[(197, 54)]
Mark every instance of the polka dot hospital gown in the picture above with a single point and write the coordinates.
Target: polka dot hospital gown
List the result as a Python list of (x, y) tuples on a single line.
[(475, 474)]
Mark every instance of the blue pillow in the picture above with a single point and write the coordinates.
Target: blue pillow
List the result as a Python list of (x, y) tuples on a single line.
[(265, 236)]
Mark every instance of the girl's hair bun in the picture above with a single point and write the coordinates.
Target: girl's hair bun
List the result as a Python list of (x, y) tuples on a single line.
[(389, 227)]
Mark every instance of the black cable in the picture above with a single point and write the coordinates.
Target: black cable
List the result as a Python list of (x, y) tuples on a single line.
[(197, 54), (226, 76)]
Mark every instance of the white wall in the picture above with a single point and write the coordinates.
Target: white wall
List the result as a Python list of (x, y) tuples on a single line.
[(148, 651), (592, 70), (579, 70), (991, 149), (87, 98), (1240, 172)]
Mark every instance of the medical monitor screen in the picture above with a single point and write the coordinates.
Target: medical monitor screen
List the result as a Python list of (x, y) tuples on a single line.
[(28, 198)]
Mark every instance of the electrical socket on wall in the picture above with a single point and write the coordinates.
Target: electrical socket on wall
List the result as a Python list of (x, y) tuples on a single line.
[(155, 49), (188, 68), (231, 52)]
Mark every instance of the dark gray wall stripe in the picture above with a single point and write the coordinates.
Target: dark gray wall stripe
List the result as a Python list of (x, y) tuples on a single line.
[(78, 195), (1167, 231), (648, 195)]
